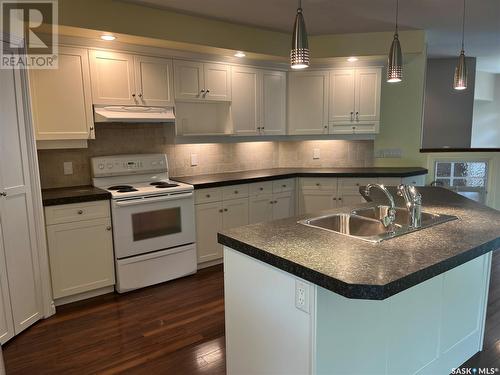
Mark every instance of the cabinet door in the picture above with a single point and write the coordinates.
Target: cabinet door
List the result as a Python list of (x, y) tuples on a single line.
[(61, 98), (273, 118), (6, 323), (246, 102), (283, 206), (308, 102), (112, 77), (217, 82), (16, 207), (367, 103), (235, 213), (260, 208), (208, 223), (81, 256), (350, 199), (313, 201), (342, 95), (188, 79), (154, 81)]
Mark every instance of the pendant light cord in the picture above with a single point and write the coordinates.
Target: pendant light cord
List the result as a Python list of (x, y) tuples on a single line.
[(463, 26), (397, 16), (300, 4)]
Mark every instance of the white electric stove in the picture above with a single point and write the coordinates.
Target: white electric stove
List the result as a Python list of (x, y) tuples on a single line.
[(153, 219)]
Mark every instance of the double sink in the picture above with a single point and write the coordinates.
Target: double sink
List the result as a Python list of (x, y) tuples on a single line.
[(367, 223)]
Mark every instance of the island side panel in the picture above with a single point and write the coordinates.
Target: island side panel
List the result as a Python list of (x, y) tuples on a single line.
[(265, 332), (430, 328)]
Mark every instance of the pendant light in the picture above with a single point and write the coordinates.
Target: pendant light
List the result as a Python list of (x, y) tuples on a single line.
[(299, 55), (460, 78), (395, 61)]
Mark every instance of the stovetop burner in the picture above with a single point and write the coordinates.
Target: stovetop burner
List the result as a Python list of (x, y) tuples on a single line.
[(128, 190), (163, 185), (120, 187)]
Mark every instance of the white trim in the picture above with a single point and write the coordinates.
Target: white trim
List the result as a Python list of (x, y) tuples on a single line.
[(85, 295), (210, 263)]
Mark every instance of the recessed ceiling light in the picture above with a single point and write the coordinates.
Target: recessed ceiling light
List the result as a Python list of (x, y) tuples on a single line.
[(239, 54), (108, 37), (352, 59)]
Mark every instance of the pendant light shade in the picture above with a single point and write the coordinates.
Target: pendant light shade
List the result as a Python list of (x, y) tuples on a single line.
[(299, 55), (395, 60), (460, 78)]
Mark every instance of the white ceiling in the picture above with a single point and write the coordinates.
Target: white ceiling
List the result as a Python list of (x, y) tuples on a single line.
[(440, 18)]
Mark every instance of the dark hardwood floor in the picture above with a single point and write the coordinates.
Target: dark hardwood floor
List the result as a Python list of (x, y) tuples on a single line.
[(173, 328)]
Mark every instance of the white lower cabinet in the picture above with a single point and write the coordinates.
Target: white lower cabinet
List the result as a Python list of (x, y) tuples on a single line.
[(80, 249), (260, 208), (6, 322)]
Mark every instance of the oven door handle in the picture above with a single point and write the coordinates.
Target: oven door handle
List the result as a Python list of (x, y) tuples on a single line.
[(164, 198)]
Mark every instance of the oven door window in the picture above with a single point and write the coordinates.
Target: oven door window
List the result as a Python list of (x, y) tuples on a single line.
[(152, 224)]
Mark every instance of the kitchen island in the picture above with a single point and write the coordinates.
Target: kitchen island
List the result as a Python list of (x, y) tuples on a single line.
[(302, 300)]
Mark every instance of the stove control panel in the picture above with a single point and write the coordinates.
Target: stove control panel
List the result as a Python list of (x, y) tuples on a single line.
[(129, 164)]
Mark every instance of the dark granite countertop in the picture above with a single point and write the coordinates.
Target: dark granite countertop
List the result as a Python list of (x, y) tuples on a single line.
[(358, 269), (234, 178), (74, 194)]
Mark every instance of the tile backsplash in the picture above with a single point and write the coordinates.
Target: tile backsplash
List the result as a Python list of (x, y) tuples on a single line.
[(114, 139)]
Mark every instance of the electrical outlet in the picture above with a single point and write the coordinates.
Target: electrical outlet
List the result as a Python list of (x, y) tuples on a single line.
[(302, 296), (316, 153), (68, 167), (194, 160)]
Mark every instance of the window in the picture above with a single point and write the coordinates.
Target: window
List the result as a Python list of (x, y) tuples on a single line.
[(468, 178)]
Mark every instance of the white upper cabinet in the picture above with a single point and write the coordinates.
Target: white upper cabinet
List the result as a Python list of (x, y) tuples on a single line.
[(308, 102), (112, 77), (273, 109), (367, 102), (342, 95), (153, 81), (202, 81), (246, 103), (355, 100), (61, 98)]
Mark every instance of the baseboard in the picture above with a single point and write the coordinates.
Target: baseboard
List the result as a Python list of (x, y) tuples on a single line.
[(85, 295), (210, 263)]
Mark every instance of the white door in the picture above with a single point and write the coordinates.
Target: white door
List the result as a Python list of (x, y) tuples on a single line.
[(208, 224), (245, 105), (342, 95), (367, 103), (273, 118), (61, 98), (283, 205), (6, 322), (112, 76), (81, 256), (235, 213), (154, 81), (308, 102), (188, 80), (313, 201), (217, 82), (16, 206), (260, 208)]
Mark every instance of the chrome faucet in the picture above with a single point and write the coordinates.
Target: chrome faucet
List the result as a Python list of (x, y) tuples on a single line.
[(413, 201), (389, 219)]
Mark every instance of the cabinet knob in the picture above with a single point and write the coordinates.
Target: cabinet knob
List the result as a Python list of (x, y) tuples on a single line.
[(357, 116), (108, 227), (261, 188), (340, 199), (352, 116), (225, 209), (140, 95), (283, 186), (208, 195), (207, 91), (220, 210), (79, 212), (202, 91), (262, 128), (334, 198), (92, 128), (3, 194), (236, 192), (133, 95), (326, 126), (318, 184), (271, 202), (275, 201)]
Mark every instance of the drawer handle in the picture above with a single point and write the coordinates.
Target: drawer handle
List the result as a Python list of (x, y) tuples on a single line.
[(208, 195), (80, 212), (108, 227)]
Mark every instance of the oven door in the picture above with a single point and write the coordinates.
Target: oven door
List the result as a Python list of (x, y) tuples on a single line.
[(146, 224)]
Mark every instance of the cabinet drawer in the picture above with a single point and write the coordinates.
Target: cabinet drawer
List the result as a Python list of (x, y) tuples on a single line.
[(389, 181), (352, 184), (207, 195), (281, 186), (67, 213), (320, 183), (260, 188), (355, 128), (235, 191)]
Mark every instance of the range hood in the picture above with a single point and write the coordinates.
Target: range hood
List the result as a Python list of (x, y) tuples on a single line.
[(114, 113)]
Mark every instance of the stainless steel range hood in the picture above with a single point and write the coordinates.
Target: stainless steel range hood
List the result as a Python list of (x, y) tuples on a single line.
[(115, 113)]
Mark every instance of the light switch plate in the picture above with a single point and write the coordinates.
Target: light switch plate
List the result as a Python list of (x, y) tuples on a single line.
[(194, 160), (316, 153), (68, 167)]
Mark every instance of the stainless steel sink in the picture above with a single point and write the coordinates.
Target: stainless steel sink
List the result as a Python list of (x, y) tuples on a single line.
[(366, 224)]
